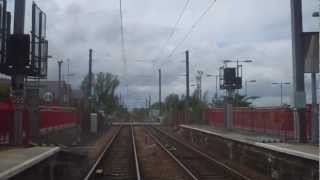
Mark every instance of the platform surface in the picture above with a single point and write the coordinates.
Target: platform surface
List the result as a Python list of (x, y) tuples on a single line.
[(306, 151), (15, 161)]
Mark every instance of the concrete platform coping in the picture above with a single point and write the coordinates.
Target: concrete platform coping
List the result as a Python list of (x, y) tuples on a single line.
[(15, 161), (306, 151)]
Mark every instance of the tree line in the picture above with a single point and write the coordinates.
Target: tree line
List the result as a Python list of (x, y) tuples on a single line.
[(104, 96), (174, 103)]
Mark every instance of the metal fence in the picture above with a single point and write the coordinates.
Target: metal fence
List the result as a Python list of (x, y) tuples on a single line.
[(269, 120), (50, 118), (6, 123), (55, 118)]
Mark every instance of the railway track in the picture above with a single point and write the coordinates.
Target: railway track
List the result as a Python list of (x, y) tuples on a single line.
[(157, 163), (197, 164), (119, 159)]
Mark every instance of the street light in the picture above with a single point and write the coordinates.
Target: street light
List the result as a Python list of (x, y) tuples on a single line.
[(315, 14), (281, 88), (246, 85), (237, 61)]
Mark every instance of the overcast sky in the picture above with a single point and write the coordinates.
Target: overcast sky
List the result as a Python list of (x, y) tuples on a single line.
[(248, 29)]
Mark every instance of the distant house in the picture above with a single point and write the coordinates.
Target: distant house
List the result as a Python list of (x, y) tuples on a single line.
[(50, 93)]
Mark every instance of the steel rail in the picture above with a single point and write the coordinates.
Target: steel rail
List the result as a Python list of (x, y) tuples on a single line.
[(102, 154), (156, 140), (229, 169), (136, 160)]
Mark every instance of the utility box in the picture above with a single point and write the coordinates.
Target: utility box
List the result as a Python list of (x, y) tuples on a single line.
[(93, 123)]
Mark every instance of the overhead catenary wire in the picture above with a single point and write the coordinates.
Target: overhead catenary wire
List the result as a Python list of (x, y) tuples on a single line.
[(174, 29), (123, 50), (194, 25), (123, 54)]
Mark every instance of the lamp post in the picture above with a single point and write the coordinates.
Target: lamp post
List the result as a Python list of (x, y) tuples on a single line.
[(246, 85), (281, 89)]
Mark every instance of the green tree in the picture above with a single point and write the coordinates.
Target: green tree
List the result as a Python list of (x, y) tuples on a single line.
[(105, 87), (155, 105), (85, 85), (238, 101), (182, 103), (217, 102), (104, 92), (172, 102), (195, 101), (243, 101)]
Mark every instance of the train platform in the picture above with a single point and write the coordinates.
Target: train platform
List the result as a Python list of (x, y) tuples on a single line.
[(305, 151), (15, 160)]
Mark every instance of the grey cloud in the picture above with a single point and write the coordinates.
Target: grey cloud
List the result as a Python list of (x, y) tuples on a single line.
[(258, 30)]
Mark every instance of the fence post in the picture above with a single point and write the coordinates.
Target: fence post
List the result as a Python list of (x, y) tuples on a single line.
[(252, 119)]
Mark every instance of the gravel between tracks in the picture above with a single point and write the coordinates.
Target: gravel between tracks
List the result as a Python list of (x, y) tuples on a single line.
[(155, 163)]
